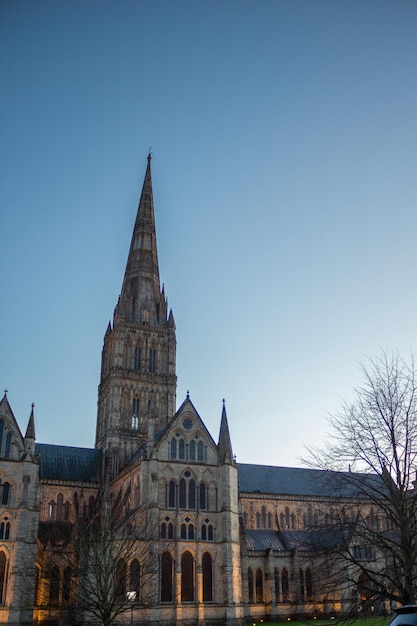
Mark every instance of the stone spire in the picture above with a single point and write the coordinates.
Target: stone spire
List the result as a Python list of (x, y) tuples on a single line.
[(30, 432), (225, 444), (141, 294), (137, 391)]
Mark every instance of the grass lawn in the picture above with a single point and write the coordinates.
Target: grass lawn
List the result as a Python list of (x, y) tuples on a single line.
[(362, 621)]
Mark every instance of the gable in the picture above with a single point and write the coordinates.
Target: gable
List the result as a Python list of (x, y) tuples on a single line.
[(186, 438), (11, 439)]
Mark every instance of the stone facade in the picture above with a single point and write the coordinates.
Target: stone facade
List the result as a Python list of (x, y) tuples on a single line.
[(230, 542)]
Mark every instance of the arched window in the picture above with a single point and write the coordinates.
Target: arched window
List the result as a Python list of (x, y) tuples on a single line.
[(166, 577), (8, 446), (54, 585), (181, 449), (285, 585), (258, 520), (152, 361), (207, 577), (191, 494), (59, 502), (263, 513), (183, 502), (276, 583), (135, 422), (121, 580), (270, 521), (91, 507), (309, 583), (5, 529), (134, 578), (173, 448), (207, 531), (250, 584), (200, 451), (170, 530), (6, 494), (203, 498), (187, 577), (192, 450), (287, 517), (163, 531), (183, 531), (259, 586), (52, 509), (66, 586), (302, 586), (171, 495), (137, 359), (136, 408), (191, 531), (3, 577)]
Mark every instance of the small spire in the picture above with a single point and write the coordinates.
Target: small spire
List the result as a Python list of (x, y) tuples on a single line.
[(225, 444), (188, 395), (30, 430), (149, 155)]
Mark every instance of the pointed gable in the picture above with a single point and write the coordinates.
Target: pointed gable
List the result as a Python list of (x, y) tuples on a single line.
[(11, 439), (186, 438)]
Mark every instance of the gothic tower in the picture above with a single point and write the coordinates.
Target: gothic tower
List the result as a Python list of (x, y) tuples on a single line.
[(137, 390)]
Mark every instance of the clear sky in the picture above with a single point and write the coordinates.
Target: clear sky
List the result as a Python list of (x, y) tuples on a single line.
[(284, 140)]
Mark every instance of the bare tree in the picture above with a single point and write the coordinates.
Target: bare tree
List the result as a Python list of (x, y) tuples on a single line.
[(112, 557), (375, 436), (118, 561)]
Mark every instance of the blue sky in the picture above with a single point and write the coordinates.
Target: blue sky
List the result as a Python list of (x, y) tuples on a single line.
[(284, 167)]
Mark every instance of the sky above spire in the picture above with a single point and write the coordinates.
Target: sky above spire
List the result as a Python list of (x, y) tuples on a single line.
[(283, 138)]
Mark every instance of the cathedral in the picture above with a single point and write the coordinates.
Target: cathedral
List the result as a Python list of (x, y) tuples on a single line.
[(226, 543)]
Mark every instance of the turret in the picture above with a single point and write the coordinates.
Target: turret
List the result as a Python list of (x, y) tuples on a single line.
[(30, 433), (225, 444)]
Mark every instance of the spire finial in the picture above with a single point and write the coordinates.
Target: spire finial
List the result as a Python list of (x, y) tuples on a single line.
[(149, 154), (188, 395)]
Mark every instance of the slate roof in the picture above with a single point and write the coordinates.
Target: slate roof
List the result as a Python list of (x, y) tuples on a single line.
[(299, 481), (263, 539), (325, 538), (69, 463)]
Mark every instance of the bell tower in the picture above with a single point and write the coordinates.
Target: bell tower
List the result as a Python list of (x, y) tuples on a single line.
[(137, 390)]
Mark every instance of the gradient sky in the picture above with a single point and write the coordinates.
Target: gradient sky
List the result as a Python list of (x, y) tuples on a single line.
[(284, 140)]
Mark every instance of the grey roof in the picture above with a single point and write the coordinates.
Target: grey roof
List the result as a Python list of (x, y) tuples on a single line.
[(325, 538), (68, 463), (263, 539), (299, 481)]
